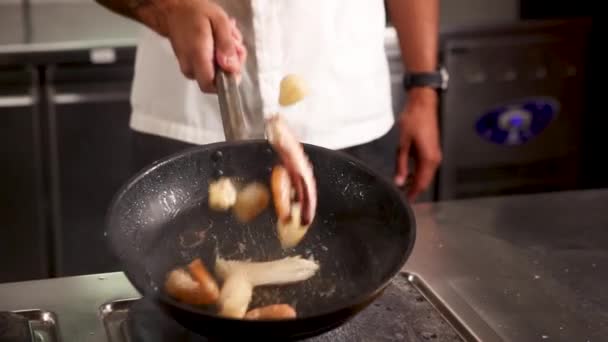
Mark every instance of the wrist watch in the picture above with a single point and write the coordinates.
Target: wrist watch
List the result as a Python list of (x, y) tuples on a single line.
[(437, 80)]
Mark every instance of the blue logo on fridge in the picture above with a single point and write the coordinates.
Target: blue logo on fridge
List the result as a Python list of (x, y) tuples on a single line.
[(518, 122)]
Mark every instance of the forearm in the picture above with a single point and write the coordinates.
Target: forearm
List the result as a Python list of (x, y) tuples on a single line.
[(417, 26), (142, 11), (121, 7)]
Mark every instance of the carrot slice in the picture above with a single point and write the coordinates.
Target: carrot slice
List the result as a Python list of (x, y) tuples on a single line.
[(272, 312), (208, 289)]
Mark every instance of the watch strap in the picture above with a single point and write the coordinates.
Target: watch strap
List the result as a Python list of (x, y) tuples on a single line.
[(436, 80)]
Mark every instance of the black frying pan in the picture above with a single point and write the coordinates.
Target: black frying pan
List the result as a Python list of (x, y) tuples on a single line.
[(362, 235)]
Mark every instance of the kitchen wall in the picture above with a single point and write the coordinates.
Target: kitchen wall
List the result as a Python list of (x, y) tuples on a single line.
[(471, 12), (455, 13)]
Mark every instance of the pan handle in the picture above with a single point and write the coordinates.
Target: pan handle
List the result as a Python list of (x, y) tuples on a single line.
[(238, 124)]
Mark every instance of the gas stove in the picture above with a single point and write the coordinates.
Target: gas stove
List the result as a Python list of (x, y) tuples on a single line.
[(402, 313)]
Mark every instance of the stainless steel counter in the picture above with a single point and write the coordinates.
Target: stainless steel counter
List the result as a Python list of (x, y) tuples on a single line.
[(521, 268)]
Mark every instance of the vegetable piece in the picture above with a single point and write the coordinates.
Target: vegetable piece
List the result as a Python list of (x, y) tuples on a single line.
[(291, 232), (180, 285), (240, 277), (235, 296), (299, 167), (251, 201), (293, 90), (208, 289), (283, 271), (281, 192), (272, 312), (222, 194)]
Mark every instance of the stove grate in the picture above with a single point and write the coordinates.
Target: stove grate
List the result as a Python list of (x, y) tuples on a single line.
[(402, 313)]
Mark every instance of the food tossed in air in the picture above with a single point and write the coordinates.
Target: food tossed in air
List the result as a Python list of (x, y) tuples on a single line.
[(222, 194), (293, 89), (296, 163), (197, 287), (293, 191), (293, 184), (282, 192), (272, 312), (296, 172), (289, 227), (251, 201), (295, 176), (240, 277)]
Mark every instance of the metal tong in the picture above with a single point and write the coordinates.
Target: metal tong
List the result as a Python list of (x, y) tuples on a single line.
[(238, 125)]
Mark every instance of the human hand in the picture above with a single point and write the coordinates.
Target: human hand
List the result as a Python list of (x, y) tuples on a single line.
[(419, 136), (200, 33)]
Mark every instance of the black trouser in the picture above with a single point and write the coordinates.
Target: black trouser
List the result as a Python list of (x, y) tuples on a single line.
[(379, 154)]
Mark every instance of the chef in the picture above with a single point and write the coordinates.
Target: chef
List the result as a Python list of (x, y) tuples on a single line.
[(337, 46)]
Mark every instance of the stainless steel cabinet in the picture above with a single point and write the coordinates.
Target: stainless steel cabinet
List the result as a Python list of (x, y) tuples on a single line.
[(512, 117), (23, 243), (91, 158)]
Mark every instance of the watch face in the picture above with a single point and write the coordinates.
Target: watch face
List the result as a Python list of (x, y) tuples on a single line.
[(445, 78)]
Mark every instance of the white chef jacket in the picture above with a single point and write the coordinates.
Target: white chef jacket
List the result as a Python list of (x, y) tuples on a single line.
[(337, 46)]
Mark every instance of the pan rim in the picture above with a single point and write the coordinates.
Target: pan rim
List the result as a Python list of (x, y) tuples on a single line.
[(346, 305)]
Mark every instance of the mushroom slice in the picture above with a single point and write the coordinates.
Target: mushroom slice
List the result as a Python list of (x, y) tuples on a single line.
[(240, 277), (251, 201), (222, 194), (293, 90), (235, 296)]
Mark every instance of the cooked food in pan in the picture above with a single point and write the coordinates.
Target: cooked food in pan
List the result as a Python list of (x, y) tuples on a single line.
[(197, 286)]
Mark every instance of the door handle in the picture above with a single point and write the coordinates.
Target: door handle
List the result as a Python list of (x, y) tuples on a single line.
[(75, 98), (9, 101)]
